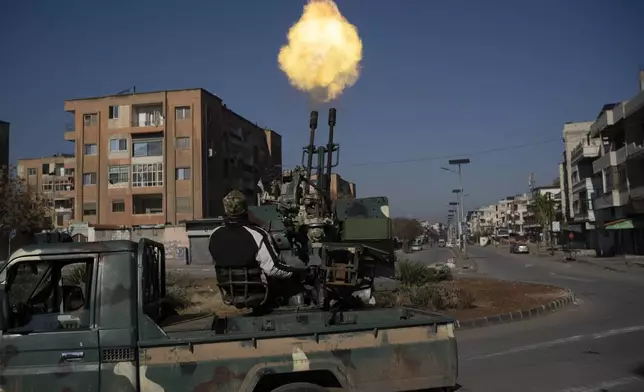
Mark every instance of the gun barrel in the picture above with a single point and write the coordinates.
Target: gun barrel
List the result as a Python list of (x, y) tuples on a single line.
[(313, 124), (329, 149)]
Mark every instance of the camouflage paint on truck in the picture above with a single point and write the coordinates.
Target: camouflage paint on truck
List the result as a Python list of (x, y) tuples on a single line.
[(124, 349), (379, 360)]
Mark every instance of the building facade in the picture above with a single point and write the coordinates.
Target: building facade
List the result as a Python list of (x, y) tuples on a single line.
[(619, 193), (580, 185), (55, 178), (163, 157)]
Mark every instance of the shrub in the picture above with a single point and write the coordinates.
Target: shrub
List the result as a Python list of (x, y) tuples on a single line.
[(427, 296), (413, 273)]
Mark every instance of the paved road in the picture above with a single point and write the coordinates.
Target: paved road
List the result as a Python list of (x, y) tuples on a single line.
[(428, 255), (596, 346)]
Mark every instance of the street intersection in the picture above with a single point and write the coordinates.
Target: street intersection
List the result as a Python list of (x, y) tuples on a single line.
[(597, 345)]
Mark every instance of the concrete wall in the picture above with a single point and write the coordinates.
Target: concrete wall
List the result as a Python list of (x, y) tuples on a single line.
[(173, 238)]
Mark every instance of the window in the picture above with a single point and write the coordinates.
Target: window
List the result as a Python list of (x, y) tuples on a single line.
[(90, 149), (89, 209), (114, 112), (147, 174), (89, 178), (149, 148), (31, 171), (118, 174), (117, 145), (118, 205), (45, 168), (56, 292), (59, 169), (182, 143), (183, 173), (183, 205), (182, 113), (147, 204), (90, 119)]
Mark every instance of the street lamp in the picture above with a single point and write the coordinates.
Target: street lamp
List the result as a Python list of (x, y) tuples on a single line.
[(460, 163)]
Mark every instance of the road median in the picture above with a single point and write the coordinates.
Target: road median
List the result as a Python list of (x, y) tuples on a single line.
[(472, 301)]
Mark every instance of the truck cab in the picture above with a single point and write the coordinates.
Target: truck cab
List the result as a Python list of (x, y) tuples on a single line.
[(91, 317)]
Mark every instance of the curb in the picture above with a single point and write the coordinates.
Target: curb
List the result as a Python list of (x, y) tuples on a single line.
[(519, 315)]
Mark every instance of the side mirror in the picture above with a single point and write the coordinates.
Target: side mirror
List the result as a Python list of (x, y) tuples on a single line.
[(73, 298), (4, 308)]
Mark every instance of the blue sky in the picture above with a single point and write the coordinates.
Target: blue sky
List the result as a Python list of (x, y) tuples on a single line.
[(440, 78)]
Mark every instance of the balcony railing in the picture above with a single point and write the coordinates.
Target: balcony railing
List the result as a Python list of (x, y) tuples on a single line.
[(584, 150), (70, 131), (148, 122), (585, 184), (604, 162)]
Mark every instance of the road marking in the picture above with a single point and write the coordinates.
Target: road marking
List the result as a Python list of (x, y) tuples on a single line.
[(557, 342), (572, 278), (604, 385)]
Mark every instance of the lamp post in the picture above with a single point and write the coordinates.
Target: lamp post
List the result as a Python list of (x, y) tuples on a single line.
[(460, 163)]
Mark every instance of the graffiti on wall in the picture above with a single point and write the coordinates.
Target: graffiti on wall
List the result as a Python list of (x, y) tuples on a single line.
[(175, 250)]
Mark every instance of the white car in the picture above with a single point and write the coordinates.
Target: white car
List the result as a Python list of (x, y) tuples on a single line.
[(449, 245), (416, 248)]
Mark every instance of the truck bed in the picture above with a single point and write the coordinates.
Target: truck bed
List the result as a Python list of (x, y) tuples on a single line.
[(373, 350)]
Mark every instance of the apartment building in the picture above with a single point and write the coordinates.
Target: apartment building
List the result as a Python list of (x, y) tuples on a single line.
[(579, 186), (4, 144), (163, 157), (575, 134), (55, 178), (618, 199)]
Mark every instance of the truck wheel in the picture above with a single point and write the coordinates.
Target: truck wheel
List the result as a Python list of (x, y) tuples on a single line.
[(300, 387)]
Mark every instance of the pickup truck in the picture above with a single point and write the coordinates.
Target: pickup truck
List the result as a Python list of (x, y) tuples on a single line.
[(92, 317)]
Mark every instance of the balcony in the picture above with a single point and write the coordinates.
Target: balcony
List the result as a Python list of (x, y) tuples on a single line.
[(602, 122), (70, 132), (635, 151), (614, 198), (148, 117), (585, 184), (585, 150), (604, 162), (634, 105)]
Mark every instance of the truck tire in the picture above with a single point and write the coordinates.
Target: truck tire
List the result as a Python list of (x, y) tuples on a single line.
[(300, 387)]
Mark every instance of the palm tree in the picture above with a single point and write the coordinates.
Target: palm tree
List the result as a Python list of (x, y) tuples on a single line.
[(544, 211)]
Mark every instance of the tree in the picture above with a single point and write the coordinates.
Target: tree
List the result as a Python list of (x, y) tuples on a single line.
[(22, 208), (407, 229), (544, 212), (556, 182)]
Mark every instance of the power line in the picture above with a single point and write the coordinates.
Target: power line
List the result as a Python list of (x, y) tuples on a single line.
[(471, 153)]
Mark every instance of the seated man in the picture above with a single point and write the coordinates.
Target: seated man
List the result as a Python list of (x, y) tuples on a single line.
[(241, 245)]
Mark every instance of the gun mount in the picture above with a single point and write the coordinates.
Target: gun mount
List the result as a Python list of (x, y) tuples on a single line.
[(349, 241)]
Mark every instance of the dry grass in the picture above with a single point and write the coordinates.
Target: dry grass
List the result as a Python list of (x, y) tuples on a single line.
[(491, 296), (463, 299)]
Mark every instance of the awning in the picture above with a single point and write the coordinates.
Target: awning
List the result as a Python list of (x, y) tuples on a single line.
[(625, 224)]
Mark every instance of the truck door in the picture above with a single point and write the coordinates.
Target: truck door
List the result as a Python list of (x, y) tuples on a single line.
[(49, 340)]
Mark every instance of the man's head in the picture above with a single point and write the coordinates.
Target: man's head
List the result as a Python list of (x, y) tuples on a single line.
[(235, 205)]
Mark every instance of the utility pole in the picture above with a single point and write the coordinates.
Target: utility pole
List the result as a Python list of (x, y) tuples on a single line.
[(460, 163)]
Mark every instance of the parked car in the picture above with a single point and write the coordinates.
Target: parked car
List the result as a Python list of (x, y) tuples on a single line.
[(416, 248), (441, 243), (519, 248)]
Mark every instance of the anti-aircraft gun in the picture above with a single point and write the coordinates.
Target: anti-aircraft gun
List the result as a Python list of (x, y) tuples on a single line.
[(348, 241)]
